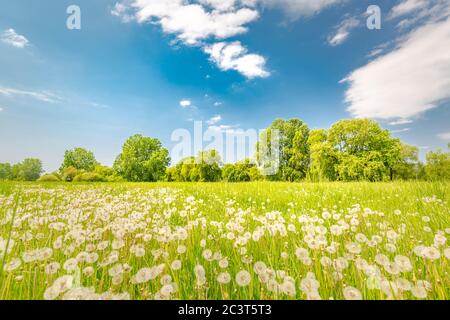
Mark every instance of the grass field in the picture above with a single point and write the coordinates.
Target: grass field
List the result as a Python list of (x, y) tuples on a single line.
[(225, 241)]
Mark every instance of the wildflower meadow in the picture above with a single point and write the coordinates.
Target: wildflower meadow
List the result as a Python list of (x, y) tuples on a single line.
[(257, 241)]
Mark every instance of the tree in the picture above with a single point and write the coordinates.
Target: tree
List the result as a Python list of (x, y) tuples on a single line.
[(51, 177), (27, 170), (293, 148), (142, 159), (364, 150), (438, 165), (208, 164), (408, 165), (184, 169), (242, 171), (5, 171), (205, 167), (68, 174), (322, 157), (80, 159)]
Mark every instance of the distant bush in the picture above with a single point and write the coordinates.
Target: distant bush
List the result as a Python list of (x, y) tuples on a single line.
[(69, 174), (89, 177), (242, 171), (5, 171), (49, 178), (114, 178)]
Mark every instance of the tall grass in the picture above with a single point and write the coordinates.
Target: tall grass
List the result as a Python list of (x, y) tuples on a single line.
[(404, 215)]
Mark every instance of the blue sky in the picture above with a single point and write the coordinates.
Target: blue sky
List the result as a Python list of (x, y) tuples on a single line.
[(234, 63)]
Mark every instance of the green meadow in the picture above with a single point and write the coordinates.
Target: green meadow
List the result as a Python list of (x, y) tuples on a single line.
[(258, 240)]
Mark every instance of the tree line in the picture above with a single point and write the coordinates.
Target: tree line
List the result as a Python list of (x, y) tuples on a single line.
[(351, 150)]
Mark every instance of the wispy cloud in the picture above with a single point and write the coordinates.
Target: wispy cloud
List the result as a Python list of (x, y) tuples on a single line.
[(444, 136), (407, 6), (401, 130), (400, 122), (99, 105), (12, 38), (224, 128), (301, 8), (342, 31), (44, 96), (214, 120), (412, 78), (413, 12)]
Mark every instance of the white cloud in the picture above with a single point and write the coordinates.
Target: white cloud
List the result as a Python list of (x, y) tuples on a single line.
[(407, 6), (11, 38), (302, 8), (214, 120), (217, 104), (401, 130), (400, 122), (192, 22), (185, 103), (343, 31), (444, 136), (44, 96), (197, 22), (224, 128), (414, 12), (1, 109), (220, 5), (121, 10), (233, 56), (411, 79)]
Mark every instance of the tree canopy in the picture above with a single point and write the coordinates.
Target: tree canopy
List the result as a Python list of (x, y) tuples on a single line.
[(293, 150), (351, 150), (363, 150), (27, 170), (142, 159), (80, 159)]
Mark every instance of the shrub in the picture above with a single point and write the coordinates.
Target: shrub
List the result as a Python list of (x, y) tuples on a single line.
[(88, 177), (114, 178), (69, 174), (49, 178)]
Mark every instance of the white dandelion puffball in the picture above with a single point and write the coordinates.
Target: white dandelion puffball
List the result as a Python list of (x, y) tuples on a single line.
[(224, 278), (351, 293), (243, 278), (176, 265)]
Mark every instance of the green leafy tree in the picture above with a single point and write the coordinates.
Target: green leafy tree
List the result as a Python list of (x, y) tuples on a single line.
[(293, 148), (89, 177), (208, 164), (322, 157), (407, 167), (6, 172), (80, 159), (27, 170), (142, 159), (364, 150), (68, 174), (205, 167), (242, 171), (438, 165), (51, 177)]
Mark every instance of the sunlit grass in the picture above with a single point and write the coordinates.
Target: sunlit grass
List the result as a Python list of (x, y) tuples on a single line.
[(241, 241)]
